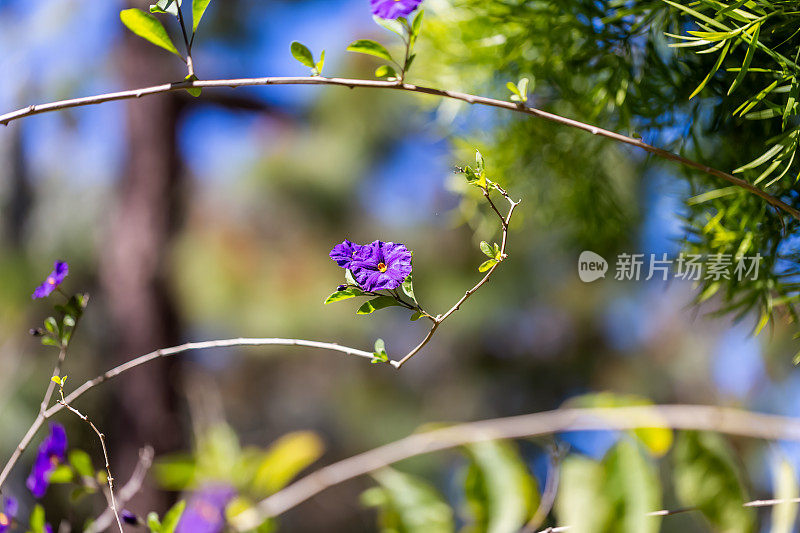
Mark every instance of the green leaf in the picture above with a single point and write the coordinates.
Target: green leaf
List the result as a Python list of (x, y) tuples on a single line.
[(369, 47), (62, 474), (581, 487), (348, 276), (194, 91), (714, 69), (172, 517), (286, 458), (301, 53), (37, 520), (81, 462), (501, 491), (486, 249), (51, 325), (416, 26), (486, 265), (320, 63), (416, 316), (385, 71), (408, 504), (168, 7), (346, 294), (408, 288), (175, 472), (513, 88), (786, 488), (375, 304), (706, 476), (153, 522), (748, 58), (198, 10), (147, 27), (380, 352), (393, 25), (633, 482)]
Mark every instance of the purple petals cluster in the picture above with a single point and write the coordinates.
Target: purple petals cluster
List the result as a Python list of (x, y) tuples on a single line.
[(60, 271), (375, 266), (392, 9), (8, 514), (205, 512), (52, 452)]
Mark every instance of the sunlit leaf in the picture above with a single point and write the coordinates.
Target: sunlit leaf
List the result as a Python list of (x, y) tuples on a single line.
[(147, 27)]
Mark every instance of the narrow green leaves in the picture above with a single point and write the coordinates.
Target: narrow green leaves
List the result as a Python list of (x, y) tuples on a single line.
[(714, 69), (198, 10), (370, 47), (302, 54), (148, 27), (487, 265), (748, 58), (380, 352)]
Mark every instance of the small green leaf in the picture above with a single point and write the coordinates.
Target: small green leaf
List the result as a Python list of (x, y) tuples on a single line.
[(393, 25), (153, 522), (375, 304), (346, 294), (409, 503), (147, 27), (416, 26), (714, 69), (62, 474), (380, 355), (50, 341), (172, 517), (51, 325), (408, 287), (198, 10), (385, 71), (37, 519), (370, 47), (81, 462), (748, 57), (486, 265), (416, 316), (301, 53), (168, 7), (320, 63), (56, 380), (194, 91), (486, 249)]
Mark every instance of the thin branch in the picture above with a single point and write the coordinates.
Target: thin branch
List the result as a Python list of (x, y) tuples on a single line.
[(110, 480), (550, 491), (46, 412), (685, 417), (40, 418), (126, 493), (437, 320), (378, 84)]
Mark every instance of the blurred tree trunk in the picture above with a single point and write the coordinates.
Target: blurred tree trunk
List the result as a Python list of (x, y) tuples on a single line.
[(132, 270)]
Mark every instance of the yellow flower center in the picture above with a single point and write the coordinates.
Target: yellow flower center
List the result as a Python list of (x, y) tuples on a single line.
[(382, 267), (4, 521), (51, 280)]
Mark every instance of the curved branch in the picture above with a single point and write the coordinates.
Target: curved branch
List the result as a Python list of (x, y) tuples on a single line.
[(378, 84), (686, 417)]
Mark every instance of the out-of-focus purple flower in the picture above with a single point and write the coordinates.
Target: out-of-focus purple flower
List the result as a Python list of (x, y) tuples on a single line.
[(381, 265), (392, 9), (128, 517), (344, 253), (8, 514), (60, 271), (52, 452), (205, 512)]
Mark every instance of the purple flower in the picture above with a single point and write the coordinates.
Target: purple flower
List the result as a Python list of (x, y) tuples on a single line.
[(8, 514), (128, 517), (344, 253), (391, 9), (381, 265), (205, 512), (60, 271), (52, 452)]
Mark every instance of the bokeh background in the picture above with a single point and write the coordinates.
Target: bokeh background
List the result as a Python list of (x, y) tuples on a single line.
[(194, 219)]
